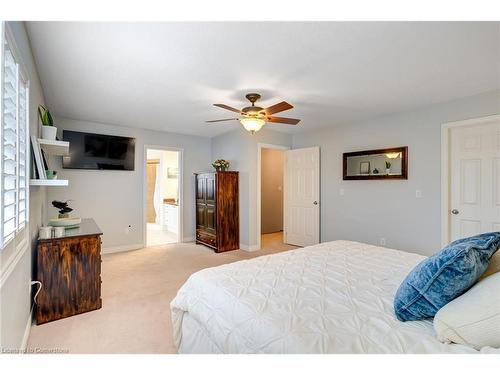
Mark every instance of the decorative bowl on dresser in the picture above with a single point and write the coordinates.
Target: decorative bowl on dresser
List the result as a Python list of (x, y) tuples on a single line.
[(217, 210), (69, 269)]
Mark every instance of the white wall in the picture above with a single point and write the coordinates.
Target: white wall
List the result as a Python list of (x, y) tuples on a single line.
[(370, 210), (16, 266), (115, 198), (240, 148), (271, 211)]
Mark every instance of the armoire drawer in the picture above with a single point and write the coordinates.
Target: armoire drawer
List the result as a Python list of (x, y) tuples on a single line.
[(207, 238)]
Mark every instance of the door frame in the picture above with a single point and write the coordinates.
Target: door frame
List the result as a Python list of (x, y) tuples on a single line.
[(260, 146), (446, 129), (180, 179)]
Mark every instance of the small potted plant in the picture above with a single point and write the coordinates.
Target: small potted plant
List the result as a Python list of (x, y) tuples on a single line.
[(220, 165), (49, 131), (63, 208), (388, 167)]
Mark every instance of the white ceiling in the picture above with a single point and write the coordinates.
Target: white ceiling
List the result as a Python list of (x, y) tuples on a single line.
[(165, 76)]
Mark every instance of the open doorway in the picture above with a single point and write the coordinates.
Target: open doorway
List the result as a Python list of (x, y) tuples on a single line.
[(162, 196), (293, 185), (272, 159)]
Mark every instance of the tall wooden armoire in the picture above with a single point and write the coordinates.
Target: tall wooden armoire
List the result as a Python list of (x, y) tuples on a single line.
[(217, 210)]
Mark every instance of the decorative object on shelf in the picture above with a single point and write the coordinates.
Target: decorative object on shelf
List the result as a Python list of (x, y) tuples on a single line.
[(364, 167), (37, 153), (45, 233), (51, 175), (49, 131), (354, 164), (59, 232), (63, 208), (68, 222), (388, 167), (220, 165)]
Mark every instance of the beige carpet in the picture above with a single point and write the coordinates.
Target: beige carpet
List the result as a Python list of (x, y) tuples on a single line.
[(137, 287)]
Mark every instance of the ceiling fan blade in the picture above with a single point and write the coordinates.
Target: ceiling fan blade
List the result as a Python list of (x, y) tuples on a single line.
[(280, 107), (227, 107), (225, 119), (284, 120)]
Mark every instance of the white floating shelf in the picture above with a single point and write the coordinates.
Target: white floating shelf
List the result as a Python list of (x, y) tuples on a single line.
[(36, 182), (54, 147)]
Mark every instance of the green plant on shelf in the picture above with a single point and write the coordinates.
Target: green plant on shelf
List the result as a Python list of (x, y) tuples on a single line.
[(45, 116)]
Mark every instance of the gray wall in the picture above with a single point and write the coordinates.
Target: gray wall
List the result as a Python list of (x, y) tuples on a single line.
[(271, 211), (240, 148), (370, 210), (115, 198), (16, 267)]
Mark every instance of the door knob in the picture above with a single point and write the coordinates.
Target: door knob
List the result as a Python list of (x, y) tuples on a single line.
[(455, 211), (315, 202)]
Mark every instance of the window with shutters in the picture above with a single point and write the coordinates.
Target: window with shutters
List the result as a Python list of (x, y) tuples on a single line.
[(14, 142)]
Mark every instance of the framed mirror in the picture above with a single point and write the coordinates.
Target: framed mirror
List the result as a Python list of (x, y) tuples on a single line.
[(383, 164)]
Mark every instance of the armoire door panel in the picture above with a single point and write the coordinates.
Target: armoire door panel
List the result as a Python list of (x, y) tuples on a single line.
[(210, 190), (200, 216), (210, 218), (200, 189)]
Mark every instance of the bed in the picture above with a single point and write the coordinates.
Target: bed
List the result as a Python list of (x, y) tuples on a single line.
[(335, 297)]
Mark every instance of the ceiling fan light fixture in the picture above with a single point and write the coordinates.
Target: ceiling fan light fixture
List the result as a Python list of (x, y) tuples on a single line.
[(393, 155), (252, 124)]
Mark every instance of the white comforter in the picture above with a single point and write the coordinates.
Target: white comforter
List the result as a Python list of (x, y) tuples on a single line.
[(335, 297)]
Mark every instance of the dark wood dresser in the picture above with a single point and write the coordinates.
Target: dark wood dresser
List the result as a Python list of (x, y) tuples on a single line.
[(69, 269), (217, 210)]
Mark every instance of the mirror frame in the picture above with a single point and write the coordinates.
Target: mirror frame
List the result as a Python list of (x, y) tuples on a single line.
[(404, 164)]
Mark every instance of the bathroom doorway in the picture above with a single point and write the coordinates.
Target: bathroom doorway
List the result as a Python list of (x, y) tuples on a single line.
[(162, 201)]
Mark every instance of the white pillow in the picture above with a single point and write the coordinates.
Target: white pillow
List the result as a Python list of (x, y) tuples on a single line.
[(472, 319), (493, 265)]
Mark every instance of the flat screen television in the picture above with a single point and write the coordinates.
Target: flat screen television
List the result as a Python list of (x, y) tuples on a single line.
[(98, 151)]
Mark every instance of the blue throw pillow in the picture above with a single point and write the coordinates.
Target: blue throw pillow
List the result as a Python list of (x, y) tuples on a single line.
[(444, 276)]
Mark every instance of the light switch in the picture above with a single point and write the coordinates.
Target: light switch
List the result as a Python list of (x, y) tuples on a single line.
[(342, 192), (418, 194)]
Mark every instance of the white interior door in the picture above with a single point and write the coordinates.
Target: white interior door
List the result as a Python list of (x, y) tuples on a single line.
[(475, 180), (301, 185)]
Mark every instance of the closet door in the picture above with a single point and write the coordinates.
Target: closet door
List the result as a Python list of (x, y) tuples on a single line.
[(475, 180), (301, 188)]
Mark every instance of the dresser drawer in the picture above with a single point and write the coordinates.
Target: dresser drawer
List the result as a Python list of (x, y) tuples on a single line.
[(206, 238)]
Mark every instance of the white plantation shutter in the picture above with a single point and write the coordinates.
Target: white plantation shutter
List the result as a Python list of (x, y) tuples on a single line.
[(22, 155), (14, 123)]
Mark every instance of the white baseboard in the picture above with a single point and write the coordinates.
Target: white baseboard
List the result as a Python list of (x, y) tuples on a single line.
[(249, 247), (27, 330), (118, 249), (188, 239)]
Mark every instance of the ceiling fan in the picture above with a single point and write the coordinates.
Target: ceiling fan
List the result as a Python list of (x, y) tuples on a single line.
[(253, 118)]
